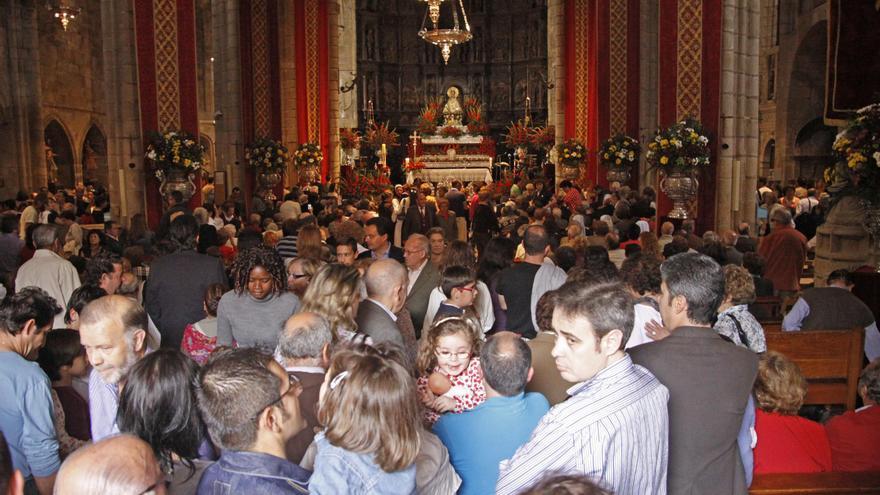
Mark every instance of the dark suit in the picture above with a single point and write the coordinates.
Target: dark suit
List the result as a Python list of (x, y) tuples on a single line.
[(417, 299), (308, 405), (457, 201), (746, 244), (372, 320), (175, 291), (709, 381), (394, 253), (416, 223)]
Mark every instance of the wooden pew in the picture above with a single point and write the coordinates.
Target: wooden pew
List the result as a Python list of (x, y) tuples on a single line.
[(816, 484), (767, 309), (831, 360)]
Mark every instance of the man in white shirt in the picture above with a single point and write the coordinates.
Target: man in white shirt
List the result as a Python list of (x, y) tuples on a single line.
[(49, 271)]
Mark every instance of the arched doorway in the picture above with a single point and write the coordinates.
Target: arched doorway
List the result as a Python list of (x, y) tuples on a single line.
[(94, 157), (812, 149), (806, 105), (58, 155), (768, 159)]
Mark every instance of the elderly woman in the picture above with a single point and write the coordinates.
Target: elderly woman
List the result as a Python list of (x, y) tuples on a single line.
[(787, 443), (734, 319), (300, 272)]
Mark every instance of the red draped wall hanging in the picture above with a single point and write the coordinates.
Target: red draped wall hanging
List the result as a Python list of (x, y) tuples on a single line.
[(312, 45), (689, 84), (165, 33), (260, 78), (581, 119)]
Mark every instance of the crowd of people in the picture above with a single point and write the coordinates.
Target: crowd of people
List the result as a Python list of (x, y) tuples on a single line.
[(435, 339)]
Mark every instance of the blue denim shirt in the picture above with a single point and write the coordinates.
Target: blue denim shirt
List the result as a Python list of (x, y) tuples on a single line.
[(252, 473), (339, 471)]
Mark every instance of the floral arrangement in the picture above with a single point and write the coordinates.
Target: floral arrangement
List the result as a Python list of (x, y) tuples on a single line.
[(174, 149), (519, 135), (474, 111), (682, 147), (349, 139), (451, 131), (379, 134), (543, 137), (620, 151), (308, 155), (267, 155), (858, 147), (430, 117), (364, 186), (571, 153), (412, 166)]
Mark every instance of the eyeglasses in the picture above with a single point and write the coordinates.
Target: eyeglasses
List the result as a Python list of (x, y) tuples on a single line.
[(293, 383), (469, 289), (453, 355), (296, 276)]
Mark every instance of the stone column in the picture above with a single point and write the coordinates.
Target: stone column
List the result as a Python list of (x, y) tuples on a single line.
[(648, 122), (287, 60), (738, 133), (228, 144), (125, 145), (556, 66)]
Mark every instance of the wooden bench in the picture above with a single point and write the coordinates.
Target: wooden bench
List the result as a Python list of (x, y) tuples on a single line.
[(816, 484), (831, 360), (767, 309)]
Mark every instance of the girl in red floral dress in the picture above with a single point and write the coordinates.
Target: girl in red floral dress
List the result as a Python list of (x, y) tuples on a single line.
[(449, 356), (200, 338)]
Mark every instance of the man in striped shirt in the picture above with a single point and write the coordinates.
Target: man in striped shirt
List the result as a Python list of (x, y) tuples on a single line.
[(614, 427)]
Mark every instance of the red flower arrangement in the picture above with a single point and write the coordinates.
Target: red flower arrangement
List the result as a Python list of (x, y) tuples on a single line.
[(429, 117), (413, 166), (543, 137), (474, 111), (450, 132), (379, 134), (363, 186), (518, 135), (349, 139)]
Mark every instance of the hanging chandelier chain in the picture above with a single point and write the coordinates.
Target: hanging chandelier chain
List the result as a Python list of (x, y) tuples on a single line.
[(467, 26)]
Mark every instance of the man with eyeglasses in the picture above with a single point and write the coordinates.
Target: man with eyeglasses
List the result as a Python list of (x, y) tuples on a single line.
[(251, 408), (423, 278)]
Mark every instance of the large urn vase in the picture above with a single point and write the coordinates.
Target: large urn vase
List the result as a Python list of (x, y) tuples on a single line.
[(269, 179), (619, 175), (177, 179), (681, 188)]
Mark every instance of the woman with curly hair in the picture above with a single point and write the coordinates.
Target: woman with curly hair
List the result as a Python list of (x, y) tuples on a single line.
[(734, 319), (253, 313), (335, 293), (641, 275), (787, 443)]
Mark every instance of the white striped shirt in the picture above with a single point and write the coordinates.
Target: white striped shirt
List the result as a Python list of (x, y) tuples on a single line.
[(614, 429)]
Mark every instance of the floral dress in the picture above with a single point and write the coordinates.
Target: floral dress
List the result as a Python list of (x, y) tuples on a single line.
[(467, 390), (196, 343), (741, 327)]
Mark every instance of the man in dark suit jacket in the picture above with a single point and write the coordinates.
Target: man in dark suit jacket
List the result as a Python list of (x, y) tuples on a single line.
[(744, 242), (386, 295), (420, 217), (709, 380), (423, 278), (175, 289), (457, 200), (376, 238)]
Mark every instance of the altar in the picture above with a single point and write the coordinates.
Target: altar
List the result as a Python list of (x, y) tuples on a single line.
[(452, 151)]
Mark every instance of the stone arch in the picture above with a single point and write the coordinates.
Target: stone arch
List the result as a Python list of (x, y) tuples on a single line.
[(94, 156), (59, 157), (812, 148), (768, 159), (806, 94)]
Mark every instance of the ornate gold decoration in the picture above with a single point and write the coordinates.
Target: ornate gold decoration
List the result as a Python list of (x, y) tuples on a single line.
[(261, 70), (617, 14), (167, 74), (311, 69), (581, 68), (445, 38), (64, 13), (690, 58)]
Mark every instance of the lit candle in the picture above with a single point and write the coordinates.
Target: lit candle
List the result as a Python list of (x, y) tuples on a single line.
[(383, 149)]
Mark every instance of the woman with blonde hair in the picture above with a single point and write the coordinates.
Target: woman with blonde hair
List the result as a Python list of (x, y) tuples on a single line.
[(335, 293), (787, 443), (370, 413)]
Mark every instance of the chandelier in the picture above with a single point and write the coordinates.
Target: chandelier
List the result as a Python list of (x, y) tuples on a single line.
[(64, 13), (445, 38)]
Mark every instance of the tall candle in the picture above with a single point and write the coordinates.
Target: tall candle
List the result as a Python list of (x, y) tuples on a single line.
[(383, 148)]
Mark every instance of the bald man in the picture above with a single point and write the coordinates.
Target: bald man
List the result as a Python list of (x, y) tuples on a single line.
[(386, 282), (120, 465), (113, 330), (479, 439)]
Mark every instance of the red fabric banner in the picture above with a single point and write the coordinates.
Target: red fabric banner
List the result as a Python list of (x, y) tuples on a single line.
[(582, 89), (166, 55), (312, 83), (852, 27)]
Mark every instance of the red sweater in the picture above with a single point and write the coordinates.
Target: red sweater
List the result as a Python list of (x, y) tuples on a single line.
[(785, 251), (855, 440), (790, 444)]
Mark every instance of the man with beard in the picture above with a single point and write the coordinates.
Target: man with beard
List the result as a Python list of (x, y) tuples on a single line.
[(113, 331)]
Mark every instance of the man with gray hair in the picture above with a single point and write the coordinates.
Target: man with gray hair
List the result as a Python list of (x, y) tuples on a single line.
[(48, 270), (113, 330), (386, 282), (303, 351), (785, 251), (119, 465)]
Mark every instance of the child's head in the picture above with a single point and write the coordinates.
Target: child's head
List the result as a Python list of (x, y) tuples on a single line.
[(212, 298), (449, 345), (63, 355), (459, 285), (369, 405)]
